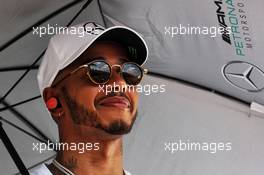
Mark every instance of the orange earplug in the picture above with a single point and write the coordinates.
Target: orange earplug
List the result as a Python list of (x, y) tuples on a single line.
[(52, 103)]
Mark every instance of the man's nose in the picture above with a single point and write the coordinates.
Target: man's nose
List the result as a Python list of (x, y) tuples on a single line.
[(117, 79)]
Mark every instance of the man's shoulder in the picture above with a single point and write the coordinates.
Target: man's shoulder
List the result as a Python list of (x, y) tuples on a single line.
[(40, 170)]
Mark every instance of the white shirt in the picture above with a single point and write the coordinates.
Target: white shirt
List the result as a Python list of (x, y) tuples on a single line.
[(43, 170)]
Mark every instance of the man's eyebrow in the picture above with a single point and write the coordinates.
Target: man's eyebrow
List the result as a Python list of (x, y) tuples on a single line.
[(97, 58), (92, 59), (122, 59)]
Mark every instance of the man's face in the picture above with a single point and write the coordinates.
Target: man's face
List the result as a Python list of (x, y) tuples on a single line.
[(88, 105)]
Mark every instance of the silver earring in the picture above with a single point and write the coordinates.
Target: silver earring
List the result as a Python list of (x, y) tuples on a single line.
[(60, 114)]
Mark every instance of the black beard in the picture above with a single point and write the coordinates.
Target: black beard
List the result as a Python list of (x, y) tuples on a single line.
[(82, 116)]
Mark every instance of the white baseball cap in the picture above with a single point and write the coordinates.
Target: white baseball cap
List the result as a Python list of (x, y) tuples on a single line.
[(69, 44)]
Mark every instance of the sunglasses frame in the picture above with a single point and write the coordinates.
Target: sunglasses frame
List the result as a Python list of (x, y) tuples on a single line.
[(144, 71)]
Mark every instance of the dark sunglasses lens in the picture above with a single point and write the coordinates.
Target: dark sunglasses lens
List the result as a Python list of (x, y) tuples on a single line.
[(99, 72), (132, 73)]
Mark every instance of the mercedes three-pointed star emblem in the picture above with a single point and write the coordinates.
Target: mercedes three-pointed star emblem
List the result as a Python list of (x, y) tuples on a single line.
[(244, 75)]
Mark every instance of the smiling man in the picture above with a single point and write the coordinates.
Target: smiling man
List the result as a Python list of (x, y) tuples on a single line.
[(74, 76)]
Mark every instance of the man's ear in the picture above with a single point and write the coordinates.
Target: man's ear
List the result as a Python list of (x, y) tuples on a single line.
[(51, 99)]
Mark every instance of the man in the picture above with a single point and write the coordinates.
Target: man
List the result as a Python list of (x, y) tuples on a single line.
[(83, 79)]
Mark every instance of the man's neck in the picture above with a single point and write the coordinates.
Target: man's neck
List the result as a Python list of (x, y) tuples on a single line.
[(107, 160)]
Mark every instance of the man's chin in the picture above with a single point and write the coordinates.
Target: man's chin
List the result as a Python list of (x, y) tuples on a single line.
[(118, 124), (118, 127)]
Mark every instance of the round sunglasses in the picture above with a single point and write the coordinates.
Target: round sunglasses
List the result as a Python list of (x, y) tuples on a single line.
[(100, 72)]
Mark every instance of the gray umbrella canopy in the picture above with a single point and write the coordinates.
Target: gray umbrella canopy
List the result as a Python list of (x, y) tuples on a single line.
[(210, 82)]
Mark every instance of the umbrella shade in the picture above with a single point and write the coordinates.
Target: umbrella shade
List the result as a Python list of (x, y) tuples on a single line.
[(209, 82)]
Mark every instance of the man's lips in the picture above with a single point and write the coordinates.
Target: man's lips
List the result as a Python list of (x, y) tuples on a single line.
[(115, 101)]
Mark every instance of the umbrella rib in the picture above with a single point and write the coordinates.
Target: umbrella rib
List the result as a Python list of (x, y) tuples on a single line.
[(79, 12), (39, 57), (12, 151), (25, 120), (41, 162), (20, 103), (29, 29), (21, 129), (101, 11), (17, 68), (23, 75)]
